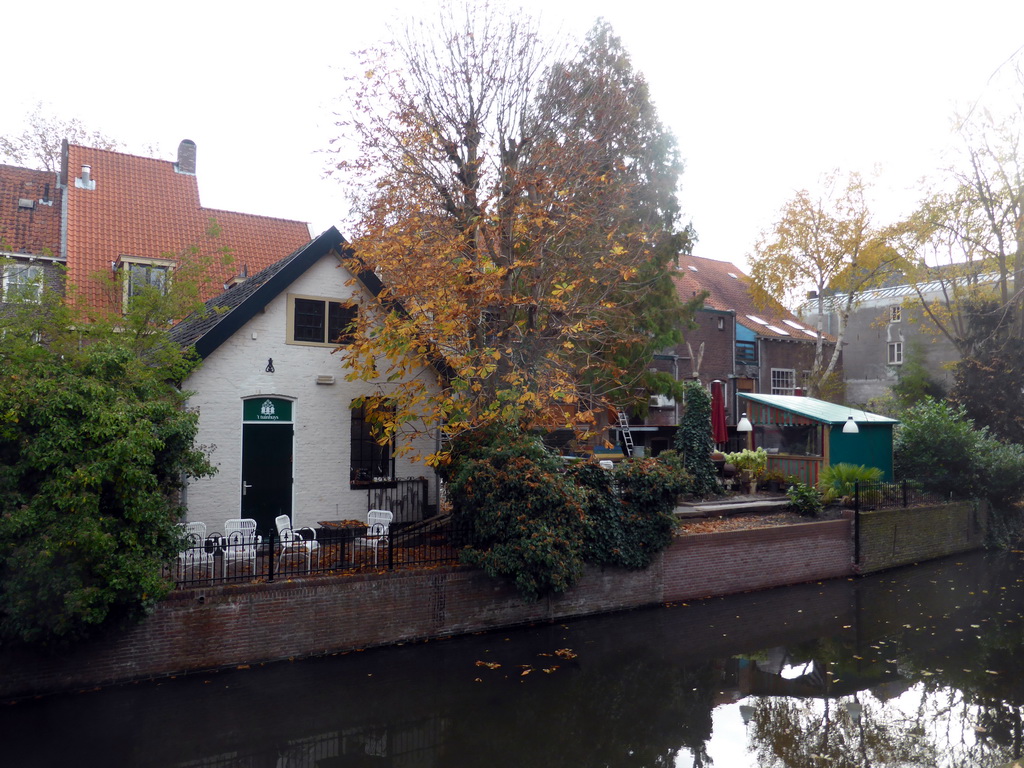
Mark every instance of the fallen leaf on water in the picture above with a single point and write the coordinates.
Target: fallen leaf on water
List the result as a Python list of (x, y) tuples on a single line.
[(488, 664), (565, 653)]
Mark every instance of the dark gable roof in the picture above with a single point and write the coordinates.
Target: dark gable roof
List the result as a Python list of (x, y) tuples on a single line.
[(728, 291), (223, 315)]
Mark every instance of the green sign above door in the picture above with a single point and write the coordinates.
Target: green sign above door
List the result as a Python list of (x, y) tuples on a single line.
[(267, 409)]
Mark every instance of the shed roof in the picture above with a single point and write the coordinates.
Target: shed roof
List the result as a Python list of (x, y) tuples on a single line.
[(818, 410)]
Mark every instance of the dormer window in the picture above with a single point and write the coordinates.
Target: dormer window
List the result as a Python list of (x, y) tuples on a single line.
[(23, 283), (895, 313), (139, 275)]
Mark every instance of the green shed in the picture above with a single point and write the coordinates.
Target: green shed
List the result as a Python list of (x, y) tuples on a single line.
[(803, 435)]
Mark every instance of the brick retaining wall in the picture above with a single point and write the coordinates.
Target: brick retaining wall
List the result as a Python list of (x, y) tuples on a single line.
[(240, 624), (894, 537)]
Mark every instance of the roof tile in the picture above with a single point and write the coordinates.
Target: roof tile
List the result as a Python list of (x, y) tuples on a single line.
[(143, 207), (728, 290)]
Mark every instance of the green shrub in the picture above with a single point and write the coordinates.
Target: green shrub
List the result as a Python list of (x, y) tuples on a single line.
[(93, 448), (805, 500), (527, 521), (839, 480), (1002, 466), (938, 445)]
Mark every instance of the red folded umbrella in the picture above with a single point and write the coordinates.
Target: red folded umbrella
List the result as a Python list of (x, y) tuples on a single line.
[(719, 431)]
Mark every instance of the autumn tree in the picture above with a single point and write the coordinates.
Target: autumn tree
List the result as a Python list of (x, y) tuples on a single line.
[(39, 144), (519, 207), (966, 247), (825, 241)]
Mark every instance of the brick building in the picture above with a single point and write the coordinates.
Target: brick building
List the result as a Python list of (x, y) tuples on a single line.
[(747, 348)]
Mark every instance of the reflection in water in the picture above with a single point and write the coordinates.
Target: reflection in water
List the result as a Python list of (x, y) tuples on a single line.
[(915, 667)]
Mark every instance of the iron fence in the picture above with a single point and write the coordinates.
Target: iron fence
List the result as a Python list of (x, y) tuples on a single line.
[(891, 495), (408, 498), (268, 557)]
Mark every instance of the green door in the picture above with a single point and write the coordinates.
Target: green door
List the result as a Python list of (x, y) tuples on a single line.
[(266, 472)]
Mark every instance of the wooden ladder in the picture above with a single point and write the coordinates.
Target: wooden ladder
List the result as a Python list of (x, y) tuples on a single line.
[(627, 436)]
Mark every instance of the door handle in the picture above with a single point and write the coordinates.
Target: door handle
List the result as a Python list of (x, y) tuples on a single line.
[(245, 486)]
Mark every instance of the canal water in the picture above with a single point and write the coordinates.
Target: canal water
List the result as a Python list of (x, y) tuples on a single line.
[(920, 666)]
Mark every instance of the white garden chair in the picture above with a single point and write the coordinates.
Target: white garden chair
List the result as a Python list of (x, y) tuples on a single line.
[(378, 525), (292, 543), (195, 554), (240, 542)]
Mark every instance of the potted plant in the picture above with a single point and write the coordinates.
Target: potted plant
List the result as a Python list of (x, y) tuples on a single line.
[(773, 480), (750, 463)]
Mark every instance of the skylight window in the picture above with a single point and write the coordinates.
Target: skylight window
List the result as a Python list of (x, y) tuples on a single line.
[(757, 319), (809, 332), (691, 268), (792, 324), (777, 329), (733, 275)]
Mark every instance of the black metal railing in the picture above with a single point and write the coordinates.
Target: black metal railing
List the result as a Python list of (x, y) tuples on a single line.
[(892, 495), (270, 557), (407, 498)]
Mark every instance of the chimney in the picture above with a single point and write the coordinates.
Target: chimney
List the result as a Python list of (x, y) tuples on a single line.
[(85, 181), (186, 157)]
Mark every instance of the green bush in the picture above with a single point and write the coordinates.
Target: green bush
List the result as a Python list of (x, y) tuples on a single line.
[(1003, 468), (938, 445), (526, 522), (805, 500), (839, 480), (93, 448), (535, 525), (629, 527)]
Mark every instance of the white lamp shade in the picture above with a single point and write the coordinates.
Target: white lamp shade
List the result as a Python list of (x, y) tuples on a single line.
[(850, 427), (744, 425)]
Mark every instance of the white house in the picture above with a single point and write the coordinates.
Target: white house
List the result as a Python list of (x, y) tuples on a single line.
[(276, 411)]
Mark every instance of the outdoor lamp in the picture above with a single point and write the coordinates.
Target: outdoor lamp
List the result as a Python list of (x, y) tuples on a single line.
[(744, 425), (850, 427)]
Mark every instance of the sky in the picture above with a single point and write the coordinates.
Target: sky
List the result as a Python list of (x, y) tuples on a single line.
[(763, 97)]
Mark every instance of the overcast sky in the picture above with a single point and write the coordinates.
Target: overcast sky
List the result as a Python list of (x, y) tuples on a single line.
[(763, 97)]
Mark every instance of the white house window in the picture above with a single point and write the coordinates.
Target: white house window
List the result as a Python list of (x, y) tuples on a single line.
[(896, 353), (319, 321), (140, 275), (23, 283), (783, 381), (895, 313)]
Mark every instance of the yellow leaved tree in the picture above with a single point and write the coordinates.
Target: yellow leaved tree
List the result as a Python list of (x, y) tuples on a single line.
[(519, 208)]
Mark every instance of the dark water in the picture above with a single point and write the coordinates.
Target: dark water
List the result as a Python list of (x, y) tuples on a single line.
[(930, 658)]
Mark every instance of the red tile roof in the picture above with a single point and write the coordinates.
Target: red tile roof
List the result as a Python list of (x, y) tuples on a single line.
[(23, 229), (145, 208), (728, 290)]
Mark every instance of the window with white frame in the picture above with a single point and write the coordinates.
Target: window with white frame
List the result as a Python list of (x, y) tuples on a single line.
[(895, 353), (895, 313), (783, 381), (139, 275), (319, 321), (23, 283)]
